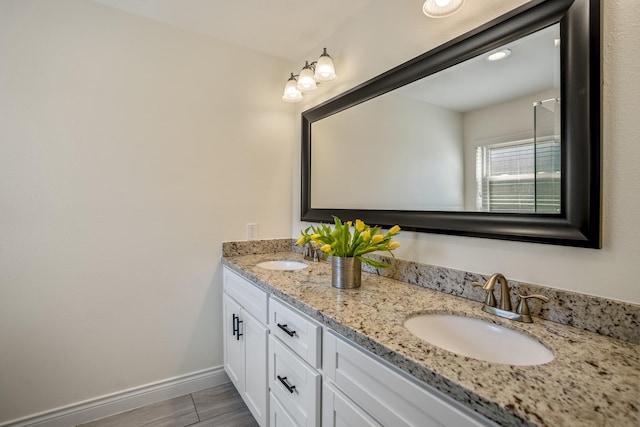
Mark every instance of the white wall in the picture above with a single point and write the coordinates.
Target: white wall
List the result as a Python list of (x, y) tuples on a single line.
[(361, 144), (389, 33), (129, 150)]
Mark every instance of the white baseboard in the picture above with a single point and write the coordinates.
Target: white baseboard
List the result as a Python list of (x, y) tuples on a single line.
[(125, 400)]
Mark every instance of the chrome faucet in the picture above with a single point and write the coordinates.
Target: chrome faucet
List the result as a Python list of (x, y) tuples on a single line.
[(521, 314), (312, 252)]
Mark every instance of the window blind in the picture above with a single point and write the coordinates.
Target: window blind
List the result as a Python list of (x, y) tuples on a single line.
[(519, 176)]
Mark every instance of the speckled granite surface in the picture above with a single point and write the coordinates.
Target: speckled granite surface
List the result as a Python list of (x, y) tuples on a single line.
[(615, 319), (254, 247), (594, 380)]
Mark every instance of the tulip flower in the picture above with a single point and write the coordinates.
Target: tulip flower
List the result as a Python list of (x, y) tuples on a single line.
[(350, 239)]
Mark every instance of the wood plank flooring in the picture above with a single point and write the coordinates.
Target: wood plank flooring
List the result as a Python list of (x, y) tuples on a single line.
[(220, 406)]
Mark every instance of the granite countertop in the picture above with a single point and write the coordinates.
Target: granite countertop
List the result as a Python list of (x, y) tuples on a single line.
[(594, 380)]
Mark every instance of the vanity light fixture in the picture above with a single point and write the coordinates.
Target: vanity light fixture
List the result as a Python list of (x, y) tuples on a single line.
[(306, 82), (441, 8), (291, 92), (318, 71), (501, 54)]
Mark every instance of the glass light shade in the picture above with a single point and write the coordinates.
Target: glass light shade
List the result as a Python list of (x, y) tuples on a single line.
[(291, 92), (325, 70), (306, 82), (441, 8)]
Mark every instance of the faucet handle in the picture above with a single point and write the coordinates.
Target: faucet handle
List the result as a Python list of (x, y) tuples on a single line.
[(523, 307), (306, 250), (490, 299), (312, 252)]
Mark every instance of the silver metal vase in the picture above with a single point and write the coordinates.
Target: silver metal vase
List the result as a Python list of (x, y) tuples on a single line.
[(346, 272)]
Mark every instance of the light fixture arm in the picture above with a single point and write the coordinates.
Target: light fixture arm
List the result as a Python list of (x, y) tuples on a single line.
[(311, 65)]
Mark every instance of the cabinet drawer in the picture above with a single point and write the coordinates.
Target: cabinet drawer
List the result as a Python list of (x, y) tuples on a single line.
[(297, 332), (386, 394), (294, 384), (250, 297)]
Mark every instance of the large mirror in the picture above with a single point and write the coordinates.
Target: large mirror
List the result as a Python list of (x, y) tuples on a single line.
[(495, 134)]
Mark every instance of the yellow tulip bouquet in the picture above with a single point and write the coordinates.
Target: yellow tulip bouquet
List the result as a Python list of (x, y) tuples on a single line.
[(350, 240)]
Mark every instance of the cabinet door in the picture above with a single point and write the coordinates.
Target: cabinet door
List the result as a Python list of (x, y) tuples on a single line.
[(339, 411), (279, 416), (256, 391), (233, 344)]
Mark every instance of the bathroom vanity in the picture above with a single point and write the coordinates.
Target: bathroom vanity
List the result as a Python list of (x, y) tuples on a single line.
[(307, 362), (315, 355)]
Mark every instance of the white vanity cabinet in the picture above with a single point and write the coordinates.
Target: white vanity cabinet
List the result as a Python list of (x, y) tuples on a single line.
[(361, 389), (292, 372), (294, 359), (245, 342)]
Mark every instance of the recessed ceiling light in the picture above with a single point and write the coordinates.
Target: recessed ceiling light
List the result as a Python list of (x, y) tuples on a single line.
[(441, 8), (501, 54)]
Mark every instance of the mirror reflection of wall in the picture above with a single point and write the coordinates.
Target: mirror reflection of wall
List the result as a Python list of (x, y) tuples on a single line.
[(361, 157)]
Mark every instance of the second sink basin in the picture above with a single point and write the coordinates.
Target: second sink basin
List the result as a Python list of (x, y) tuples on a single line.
[(479, 339), (283, 265)]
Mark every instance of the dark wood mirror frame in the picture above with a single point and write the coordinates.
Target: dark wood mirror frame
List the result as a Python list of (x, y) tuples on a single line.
[(579, 222)]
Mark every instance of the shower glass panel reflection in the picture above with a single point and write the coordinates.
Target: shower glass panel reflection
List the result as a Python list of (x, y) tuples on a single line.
[(546, 116), (523, 175)]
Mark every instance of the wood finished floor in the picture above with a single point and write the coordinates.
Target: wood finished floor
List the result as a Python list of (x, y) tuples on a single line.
[(220, 406)]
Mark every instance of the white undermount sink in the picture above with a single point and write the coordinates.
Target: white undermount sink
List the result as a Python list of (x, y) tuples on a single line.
[(283, 265), (479, 339)]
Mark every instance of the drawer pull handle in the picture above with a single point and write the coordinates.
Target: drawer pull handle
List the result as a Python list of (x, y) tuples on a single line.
[(285, 383), (238, 331), (286, 329), (236, 327)]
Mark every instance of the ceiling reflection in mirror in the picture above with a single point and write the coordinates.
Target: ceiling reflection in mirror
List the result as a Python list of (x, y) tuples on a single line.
[(480, 136)]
